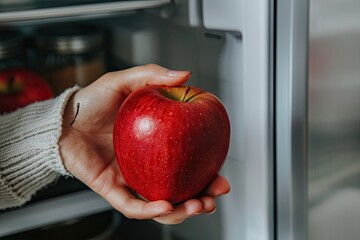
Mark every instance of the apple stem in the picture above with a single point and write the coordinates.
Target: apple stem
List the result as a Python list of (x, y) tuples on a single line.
[(187, 89), (10, 82)]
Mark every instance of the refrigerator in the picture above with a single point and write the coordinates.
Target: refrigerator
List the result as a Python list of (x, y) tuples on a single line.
[(288, 73)]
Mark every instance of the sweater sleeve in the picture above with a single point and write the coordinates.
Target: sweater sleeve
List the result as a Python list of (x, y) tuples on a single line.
[(29, 150)]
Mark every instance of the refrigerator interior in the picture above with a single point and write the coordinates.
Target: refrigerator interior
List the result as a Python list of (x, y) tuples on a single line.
[(227, 46)]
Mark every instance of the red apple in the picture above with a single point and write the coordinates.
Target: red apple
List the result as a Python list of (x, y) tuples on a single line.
[(171, 142), (19, 87)]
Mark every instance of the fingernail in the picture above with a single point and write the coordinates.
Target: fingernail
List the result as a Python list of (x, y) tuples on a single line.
[(195, 214), (212, 212), (172, 73), (199, 213)]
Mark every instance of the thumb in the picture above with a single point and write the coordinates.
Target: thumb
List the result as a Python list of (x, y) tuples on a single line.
[(134, 78)]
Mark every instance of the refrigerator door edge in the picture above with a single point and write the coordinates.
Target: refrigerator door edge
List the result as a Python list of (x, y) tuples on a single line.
[(291, 119)]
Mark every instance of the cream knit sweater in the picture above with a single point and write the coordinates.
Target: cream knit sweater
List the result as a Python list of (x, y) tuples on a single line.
[(29, 150)]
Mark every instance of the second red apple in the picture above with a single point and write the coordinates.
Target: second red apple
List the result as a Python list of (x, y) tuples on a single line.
[(19, 87)]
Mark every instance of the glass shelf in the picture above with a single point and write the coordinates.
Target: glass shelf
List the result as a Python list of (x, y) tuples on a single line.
[(29, 10)]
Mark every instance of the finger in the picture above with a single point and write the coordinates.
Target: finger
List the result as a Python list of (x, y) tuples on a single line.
[(219, 186), (185, 210), (137, 77), (126, 203), (208, 204)]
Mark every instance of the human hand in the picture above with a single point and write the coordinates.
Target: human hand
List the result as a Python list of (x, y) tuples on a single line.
[(86, 145)]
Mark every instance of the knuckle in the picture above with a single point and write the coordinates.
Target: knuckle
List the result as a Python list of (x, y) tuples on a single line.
[(128, 216), (151, 66), (108, 75)]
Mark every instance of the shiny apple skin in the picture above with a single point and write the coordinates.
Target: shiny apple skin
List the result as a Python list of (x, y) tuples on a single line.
[(28, 88), (168, 149)]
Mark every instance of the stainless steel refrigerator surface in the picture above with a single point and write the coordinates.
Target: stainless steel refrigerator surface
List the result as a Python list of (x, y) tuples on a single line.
[(318, 120), (334, 120)]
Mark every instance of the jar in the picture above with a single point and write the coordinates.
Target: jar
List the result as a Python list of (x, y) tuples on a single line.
[(70, 55), (11, 49)]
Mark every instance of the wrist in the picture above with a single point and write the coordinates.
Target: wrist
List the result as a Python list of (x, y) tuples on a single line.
[(68, 133)]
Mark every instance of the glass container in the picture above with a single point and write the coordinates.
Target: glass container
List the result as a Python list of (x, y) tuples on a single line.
[(70, 55)]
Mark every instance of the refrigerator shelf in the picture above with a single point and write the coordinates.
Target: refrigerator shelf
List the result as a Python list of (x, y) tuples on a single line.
[(78, 10), (51, 211)]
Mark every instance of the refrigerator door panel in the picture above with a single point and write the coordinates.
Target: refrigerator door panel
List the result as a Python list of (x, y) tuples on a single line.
[(334, 120), (317, 120)]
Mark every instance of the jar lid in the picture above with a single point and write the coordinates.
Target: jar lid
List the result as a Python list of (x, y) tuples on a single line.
[(68, 39), (10, 43)]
